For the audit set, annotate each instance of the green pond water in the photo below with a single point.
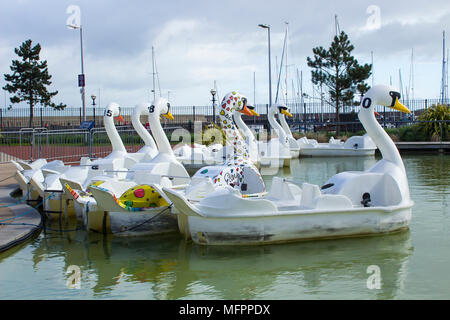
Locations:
(413, 264)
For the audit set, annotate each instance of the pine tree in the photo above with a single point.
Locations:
(29, 79)
(339, 71)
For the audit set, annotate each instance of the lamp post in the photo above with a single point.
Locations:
(81, 78)
(266, 26)
(213, 93)
(93, 97)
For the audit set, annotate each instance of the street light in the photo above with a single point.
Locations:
(93, 97)
(213, 93)
(81, 78)
(266, 26)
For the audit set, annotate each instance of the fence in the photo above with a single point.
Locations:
(57, 134)
(71, 144)
(67, 145)
(71, 117)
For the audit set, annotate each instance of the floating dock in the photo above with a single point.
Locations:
(441, 147)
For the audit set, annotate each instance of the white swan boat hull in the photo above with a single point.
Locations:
(148, 222)
(255, 226)
(354, 146)
(293, 227)
(123, 221)
(335, 152)
(126, 223)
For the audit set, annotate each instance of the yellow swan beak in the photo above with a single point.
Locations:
(400, 107)
(287, 113)
(256, 114)
(168, 115)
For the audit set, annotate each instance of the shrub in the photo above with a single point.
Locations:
(436, 130)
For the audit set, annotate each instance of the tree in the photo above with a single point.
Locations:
(339, 71)
(29, 79)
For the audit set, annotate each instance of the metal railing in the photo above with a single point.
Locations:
(71, 117)
(66, 145)
(72, 144)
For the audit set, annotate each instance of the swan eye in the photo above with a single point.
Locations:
(395, 96)
(244, 102)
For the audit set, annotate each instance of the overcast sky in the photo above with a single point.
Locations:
(198, 42)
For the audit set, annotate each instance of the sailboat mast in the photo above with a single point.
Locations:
(254, 88)
(443, 84)
(400, 87)
(371, 59)
(411, 76)
(153, 73)
(157, 79)
(446, 78)
(286, 63)
(336, 25)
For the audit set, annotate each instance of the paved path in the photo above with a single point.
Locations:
(11, 235)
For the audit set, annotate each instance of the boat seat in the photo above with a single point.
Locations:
(285, 195)
(312, 198)
(309, 194)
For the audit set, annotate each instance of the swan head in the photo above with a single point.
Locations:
(160, 106)
(250, 108)
(280, 109)
(234, 101)
(382, 95)
(113, 111)
(141, 108)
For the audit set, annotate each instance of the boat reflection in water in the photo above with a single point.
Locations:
(168, 267)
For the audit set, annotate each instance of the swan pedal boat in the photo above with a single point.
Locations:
(36, 170)
(295, 214)
(277, 151)
(354, 146)
(198, 156)
(125, 216)
(58, 201)
(133, 205)
(375, 201)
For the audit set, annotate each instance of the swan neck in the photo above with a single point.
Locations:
(284, 125)
(276, 126)
(159, 135)
(379, 136)
(113, 135)
(140, 129)
(233, 136)
(243, 126)
(249, 136)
